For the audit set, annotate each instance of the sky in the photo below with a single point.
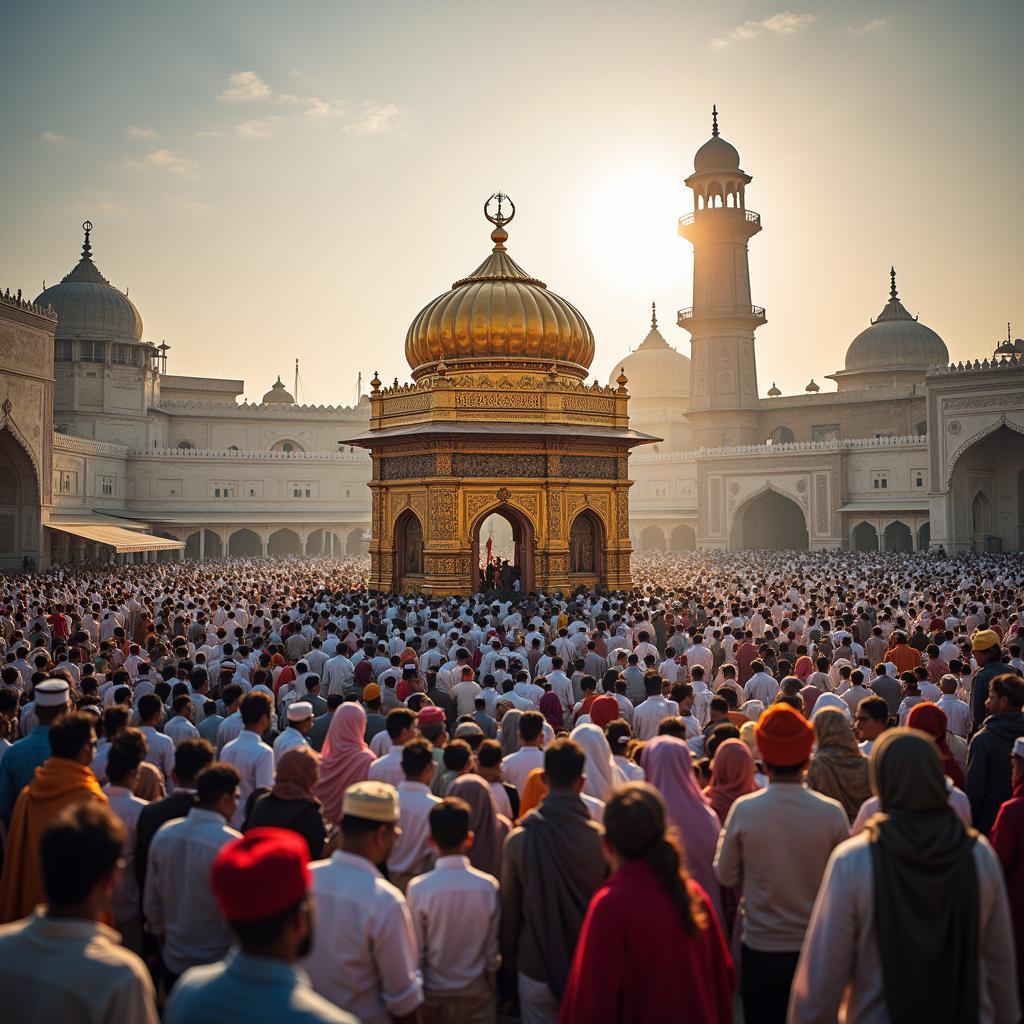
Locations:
(278, 181)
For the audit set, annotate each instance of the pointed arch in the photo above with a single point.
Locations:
(974, 439)
(769, 518)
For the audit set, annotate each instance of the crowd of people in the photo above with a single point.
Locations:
(759, 786)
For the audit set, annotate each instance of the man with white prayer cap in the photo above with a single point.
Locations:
(300, 721)
(20, 762)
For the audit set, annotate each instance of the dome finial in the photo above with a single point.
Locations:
(86, 246)
(893, 294)
(654, 317)
(499, 236)
(714, 120)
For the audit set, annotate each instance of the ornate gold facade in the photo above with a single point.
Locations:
(510, 429)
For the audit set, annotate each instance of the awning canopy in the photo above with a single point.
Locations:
(121, 540)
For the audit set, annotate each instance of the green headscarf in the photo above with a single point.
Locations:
(925, 886)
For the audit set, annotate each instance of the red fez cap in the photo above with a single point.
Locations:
(261, 874)
(431, 714)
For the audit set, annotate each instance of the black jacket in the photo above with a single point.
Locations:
(988, 767)
(154, 815)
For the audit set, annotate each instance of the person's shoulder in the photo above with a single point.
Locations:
(826, 806)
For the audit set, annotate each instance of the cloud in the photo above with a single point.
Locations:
(206, 135)
(134, 131)
(256, 129)
(287, 99)
(172, 162)
(101, 201)
(300, 75)
(319, 109)
(51, 137)
(785, 23)
(245, 87)
(874, 25)
(376, 119)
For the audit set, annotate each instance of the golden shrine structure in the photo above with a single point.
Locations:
(499, 419)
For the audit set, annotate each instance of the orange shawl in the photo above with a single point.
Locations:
(58, 783)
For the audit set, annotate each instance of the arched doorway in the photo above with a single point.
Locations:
(684, 538)
(356, 543)
(284, 542)
(898, 537)
(408, 553)
(772, 521)
(316, 542)
(987, 490)
(19, 506)
(865, 537)
(586, 550)
(244, 544)
(515, 574)
(652, 538)
(924, 536)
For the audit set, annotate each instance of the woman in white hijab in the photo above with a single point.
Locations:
(601, 774)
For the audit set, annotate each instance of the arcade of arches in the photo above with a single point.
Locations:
(260, 541)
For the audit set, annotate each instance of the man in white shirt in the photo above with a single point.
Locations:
(412, 854)
(455, 911)
(125, 754)
(516, 767)
(338, 673)
(958, 714)
(300, 722)
(253, 759)
(400, 726)
(761, 685)
(465, 691)
(364, 954)
(648, 715)
(179, 726)
(161, 747)
(561, 684)
(178, 903)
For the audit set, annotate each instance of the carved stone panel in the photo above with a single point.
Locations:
(506, 466)
(554, 515)
(444, 513)
(407, 467)
(590, 467)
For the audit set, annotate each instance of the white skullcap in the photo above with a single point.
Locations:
(51, 693)
(299, 711)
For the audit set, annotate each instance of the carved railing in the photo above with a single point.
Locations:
(720, 211)
(730, 310)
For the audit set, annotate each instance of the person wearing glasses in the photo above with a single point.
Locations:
(64, 780)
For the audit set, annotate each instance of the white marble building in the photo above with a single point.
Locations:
(104, 453)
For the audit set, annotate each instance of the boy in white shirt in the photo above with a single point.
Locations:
(455, 911)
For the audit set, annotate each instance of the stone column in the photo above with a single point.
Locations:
(202, 543)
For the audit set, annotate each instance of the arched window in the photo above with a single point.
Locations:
(287, 445)
(781, 435)
(232, 447)
(185, 445)
(582, 545)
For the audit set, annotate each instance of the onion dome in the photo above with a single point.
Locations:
(88, 306)
(773, 391)
(716, 154)
(895, 340)
(655, 369)
(278, 395)
(499, 317)
(1010, 347)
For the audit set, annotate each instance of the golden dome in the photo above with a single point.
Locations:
(499, 317)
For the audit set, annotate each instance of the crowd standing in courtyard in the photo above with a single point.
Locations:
(768, 786)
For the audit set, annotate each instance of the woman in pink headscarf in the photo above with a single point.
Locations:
(345, 760)
(669, 768)
(803, 668)
(732, 776)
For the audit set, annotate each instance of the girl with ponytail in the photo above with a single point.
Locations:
(650, 949)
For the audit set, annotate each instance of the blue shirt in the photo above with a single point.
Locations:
(249, 989)
(19, 766)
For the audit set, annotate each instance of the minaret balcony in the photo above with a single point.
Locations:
(753, 316)
(714, 218)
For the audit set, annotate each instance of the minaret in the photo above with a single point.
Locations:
(722, 321)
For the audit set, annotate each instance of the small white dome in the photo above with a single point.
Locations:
(655, 370)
